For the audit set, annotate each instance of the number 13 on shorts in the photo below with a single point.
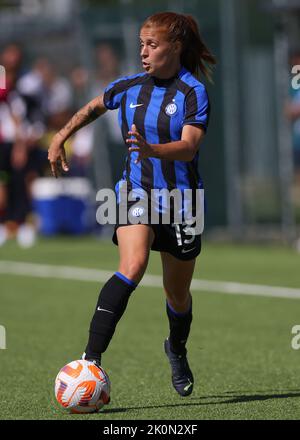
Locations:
(184, 236)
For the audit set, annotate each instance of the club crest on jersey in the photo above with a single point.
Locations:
(171, 109)
(137, 211)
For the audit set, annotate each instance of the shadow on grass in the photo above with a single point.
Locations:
(229, 396)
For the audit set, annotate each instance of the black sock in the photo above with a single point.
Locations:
(180, 324)
(110, 307)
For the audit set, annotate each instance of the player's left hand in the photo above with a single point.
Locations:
(138, 144)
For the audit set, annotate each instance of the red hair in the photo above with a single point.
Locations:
(195, 55)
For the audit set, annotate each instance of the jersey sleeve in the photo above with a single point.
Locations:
(197, 108)
(113, 94)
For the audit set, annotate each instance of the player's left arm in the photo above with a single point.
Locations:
(184, 150)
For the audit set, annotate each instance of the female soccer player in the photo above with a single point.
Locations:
(163, 114)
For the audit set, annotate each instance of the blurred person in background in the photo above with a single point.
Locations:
(23, 119)
(11, 59)
(14, 155)
(163, 115)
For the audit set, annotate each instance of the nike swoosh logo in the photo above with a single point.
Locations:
(134, 105)
(188, 386)
(185, 251)
(104, 310)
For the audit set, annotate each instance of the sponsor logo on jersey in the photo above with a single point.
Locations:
(134, 105)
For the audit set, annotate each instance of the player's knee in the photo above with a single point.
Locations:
(133, 268)
(179, 300)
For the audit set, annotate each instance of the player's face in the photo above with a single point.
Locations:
(160, 57)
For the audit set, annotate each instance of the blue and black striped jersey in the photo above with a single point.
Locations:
(159, 109)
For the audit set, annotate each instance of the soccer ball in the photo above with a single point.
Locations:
(82, 387)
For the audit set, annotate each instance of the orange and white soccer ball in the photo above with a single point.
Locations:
(82, 387)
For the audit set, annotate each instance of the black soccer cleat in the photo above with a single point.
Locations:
(96, 362)
(182, 377)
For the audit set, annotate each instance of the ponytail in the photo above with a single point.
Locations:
(195, 55)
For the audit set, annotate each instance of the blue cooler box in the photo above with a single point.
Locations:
(64, 205)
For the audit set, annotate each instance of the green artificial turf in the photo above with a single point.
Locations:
(239, 349)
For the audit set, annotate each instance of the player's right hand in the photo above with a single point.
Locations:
(57, 157)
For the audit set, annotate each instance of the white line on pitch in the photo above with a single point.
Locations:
(96, 275)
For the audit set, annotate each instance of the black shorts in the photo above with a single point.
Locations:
(5, 166)
(178, 240)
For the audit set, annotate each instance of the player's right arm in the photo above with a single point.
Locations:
(87, 114)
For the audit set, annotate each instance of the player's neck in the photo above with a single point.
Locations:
(168, 72)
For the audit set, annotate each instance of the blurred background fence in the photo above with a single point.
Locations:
(69, 50)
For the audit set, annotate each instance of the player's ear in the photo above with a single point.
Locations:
(177, 47)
